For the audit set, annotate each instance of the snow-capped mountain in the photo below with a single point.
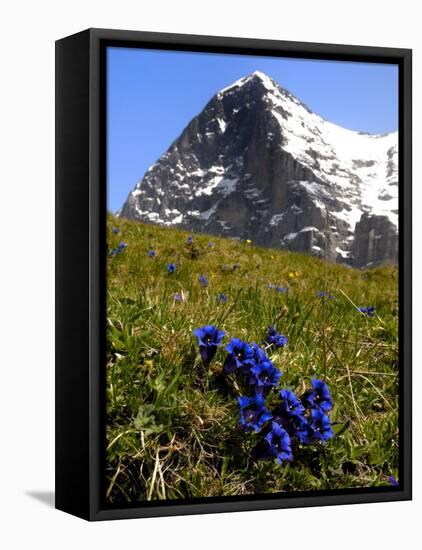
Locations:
(257, 164)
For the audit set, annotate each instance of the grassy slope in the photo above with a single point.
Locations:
(172, 426)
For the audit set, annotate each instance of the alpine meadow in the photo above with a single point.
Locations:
(173, 419)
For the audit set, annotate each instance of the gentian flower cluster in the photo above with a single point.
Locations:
(306, 419)
(257, 376)
(296, 421)
(119, 249)
(151, 253)
(283, 426)
(171, 267)
(222, 298)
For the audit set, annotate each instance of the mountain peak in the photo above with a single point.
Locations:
(256, 76)
(262, 76)
(257, 163)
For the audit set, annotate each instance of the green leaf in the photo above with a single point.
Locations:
(145, 420)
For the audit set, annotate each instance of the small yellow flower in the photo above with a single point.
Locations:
(291, 275)
(297, 273)
(248, 241)
(272, 257)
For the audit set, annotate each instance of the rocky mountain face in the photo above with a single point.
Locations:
(257, 164)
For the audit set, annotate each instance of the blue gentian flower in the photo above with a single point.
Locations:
(319, 397)
(253, 413)
(222, 298)
(290, 414)
(259, 355)
(116, 230)
(189, 240)
(177, 297)
(171, 267)
(203, 280)
(393, 481)
(209, 338)
(276, 444)
(369, 311)
(300, 429)
(275, 338)
(262, 374)
(122, 245)
(319, 427)
(240, 355)
(151, 253)
(290, 404)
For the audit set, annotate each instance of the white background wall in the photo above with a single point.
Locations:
(28, 31)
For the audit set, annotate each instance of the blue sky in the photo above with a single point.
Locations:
(152, 95)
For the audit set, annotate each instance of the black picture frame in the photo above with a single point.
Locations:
(80, 270)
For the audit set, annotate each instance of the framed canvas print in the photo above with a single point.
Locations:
(233, 274)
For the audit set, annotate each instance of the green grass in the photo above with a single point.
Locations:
(172, 425)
